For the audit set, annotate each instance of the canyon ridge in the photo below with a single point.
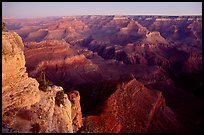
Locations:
(102, 74)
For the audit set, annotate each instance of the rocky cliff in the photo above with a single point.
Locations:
(133, 108)
(25, 108)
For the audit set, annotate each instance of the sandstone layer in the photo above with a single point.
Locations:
(27, 109)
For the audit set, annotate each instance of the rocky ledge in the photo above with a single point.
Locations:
(27, 109)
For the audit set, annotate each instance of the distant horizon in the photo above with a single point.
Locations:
(94, 15)
(57, 9)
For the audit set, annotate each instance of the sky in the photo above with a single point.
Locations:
(45, 9)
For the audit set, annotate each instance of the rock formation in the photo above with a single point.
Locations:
(24, 107)
(61, 63)
(133, 108)
(155, 37)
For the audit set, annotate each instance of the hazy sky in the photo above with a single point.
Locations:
(43, 9)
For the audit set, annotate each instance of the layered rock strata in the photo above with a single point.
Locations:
(24, 107)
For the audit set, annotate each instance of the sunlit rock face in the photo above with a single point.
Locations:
(133, 108)
(15, 80)
(61, 63)
(24, 107)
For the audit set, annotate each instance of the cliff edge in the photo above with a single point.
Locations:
(27, 109)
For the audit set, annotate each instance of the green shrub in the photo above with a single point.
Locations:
(43, 81)
(59, 99)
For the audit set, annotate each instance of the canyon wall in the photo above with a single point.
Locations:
(27, 109)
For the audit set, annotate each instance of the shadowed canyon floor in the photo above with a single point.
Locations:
(133, 73)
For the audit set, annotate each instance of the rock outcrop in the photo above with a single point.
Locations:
(74, 97)
(24, 107)
(155, 37)
(133, 108)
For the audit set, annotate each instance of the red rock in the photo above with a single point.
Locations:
(133, 108)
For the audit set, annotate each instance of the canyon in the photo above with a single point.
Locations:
(120, 74)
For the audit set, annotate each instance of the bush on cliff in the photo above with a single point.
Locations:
(43, 81)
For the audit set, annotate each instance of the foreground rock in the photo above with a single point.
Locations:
(133, 108)
(24, 107)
